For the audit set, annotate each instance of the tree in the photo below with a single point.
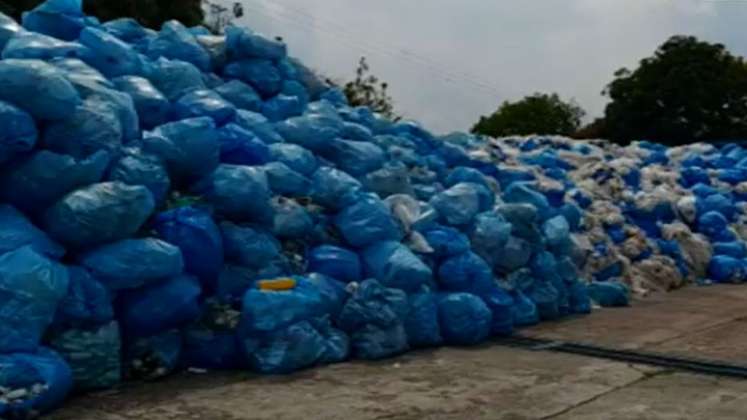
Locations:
(689, 90)
(368, 90)
(535, 114)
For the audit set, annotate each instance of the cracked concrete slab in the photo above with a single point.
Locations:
(669, 396)
(489, 382)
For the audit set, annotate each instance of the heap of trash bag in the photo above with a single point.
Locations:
(181, 200)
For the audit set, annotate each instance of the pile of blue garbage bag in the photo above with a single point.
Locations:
(178, 199)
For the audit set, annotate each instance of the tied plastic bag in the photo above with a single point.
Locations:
(285, 350)
(262, 74)
(421, 323)
(34, 184)
(395, 266)
(269, 310)
(249, 246)
(726, 269)
(282, 107)
(38, 88)
(366, 221)
(466, 272)
(284, 180)
(488, 235)
(91, 128)
(99, 213)
(244, 43)
(132, 263)
(93, 355)
(29, 45)
(87, 302)
(136, 167)
(176, 42)
(110, 55)
(334, 189)
(198, 238)
(609, 293)
(17, 231)
(446, 241)
(144, 313)
(354, 157)
(204, 103)
(189, 147)
(311, 131)
(374, 317)
(290, 220)
(501, 306)
(19, 133)
(41, 380)
(465, 319)
(240, 95)
(152, 106)
(31, 287)
(338, 263)
(259, 125)
(524, 310)
(458, 205)
(174, 78)
(8, 29)
(240, 193)
(239, 146)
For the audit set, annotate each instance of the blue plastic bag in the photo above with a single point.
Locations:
(268, 310)
(90, 129)
(25, 370)
(19, 133)
(734, 249)
(99, 213)
(337, 343)
(189, 147)
(204, 103)
(488, 235)
(395, 266)
(132, 263)
(8, 29)
(36, 183)
(208, 349)
(285, 181)
(110, 55)
(727, 269)
(366, 221)
(515, 254)
(144, 312)
(249, 246)
(522, 192)
(16, 231)
(501, 306)
(38, 88)
(281, 107)
(174, 41)
(312, 131)
(609, 293)
(127, 29)
(174, 78)
(30, 45)
(389, 180)
(93, 355)
(466, 272)
(332, 291)
(262, 74)
(240, 95)
(421, 323)
(135, 167)
(336, 262)
(446, 241)
(87, 302)
(372, 342)
(458, 205)
(239, 146)
(31, 287)
(464, 318)
(241, 193)
(713, 224)
(373, 304)
(152, 106)
(245, 43)
(290, 219)
(579, 300)
(198, 238)
(544, 294)
(524, 310)
(355, 157)
(334, 189)
(285, 350)
(259, 125)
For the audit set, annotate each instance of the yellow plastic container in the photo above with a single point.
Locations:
(277, 284)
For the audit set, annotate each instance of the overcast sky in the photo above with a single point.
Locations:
(450, 61)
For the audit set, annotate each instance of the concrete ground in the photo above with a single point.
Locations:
(487, 382)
